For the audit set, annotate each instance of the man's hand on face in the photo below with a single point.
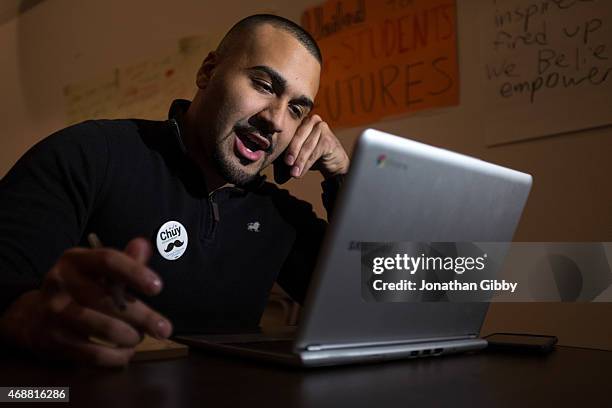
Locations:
(315, 147)
(75, 303)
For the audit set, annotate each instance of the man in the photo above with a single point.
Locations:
(204, 236)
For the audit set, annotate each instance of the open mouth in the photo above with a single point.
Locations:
(253, 141)
(250, 145)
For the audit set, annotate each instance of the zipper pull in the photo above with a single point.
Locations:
(215, 209)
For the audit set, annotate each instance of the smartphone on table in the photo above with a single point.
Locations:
(519, 342)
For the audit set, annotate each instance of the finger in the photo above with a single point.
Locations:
(307, 150)
(301, 135)
(88, 322)
(96, 296)
(111, 264)
(143, 318)
(93, 291)
(139, 249)
(315, 155)
(53, 283)
(66, 344)
(85, 287)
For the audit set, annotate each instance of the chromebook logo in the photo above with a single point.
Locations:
(384, 161)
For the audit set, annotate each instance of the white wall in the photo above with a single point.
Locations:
(64, 41)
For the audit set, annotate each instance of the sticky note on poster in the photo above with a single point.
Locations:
(547, 67)
(384, 58)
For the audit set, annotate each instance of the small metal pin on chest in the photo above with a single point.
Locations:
(253, 226)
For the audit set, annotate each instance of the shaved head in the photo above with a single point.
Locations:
(254, 91)
(234, 39)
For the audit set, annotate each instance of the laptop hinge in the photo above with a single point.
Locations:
(335, 346)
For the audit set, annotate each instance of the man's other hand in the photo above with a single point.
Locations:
(75, 304)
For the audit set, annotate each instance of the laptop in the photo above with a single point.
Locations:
(397, 190)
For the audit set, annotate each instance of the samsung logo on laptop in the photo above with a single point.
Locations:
(384, 161)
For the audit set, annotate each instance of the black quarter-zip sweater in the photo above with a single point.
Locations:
(127, 178)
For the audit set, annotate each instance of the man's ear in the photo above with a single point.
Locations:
(206, 70)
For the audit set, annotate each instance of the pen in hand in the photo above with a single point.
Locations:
(116, 289)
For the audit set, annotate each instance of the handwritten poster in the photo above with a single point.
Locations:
(384, 58)
(140, 90)
(547, 67)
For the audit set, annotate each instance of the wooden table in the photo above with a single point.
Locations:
(567, 377)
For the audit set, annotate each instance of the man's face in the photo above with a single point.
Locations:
(254, 100)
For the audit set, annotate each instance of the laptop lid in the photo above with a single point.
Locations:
(402, 190)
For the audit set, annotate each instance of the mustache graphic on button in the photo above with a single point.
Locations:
(176, 244)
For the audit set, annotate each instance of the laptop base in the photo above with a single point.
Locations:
(282, 351)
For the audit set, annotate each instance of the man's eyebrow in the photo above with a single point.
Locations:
(277, 79)
(279, 82)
